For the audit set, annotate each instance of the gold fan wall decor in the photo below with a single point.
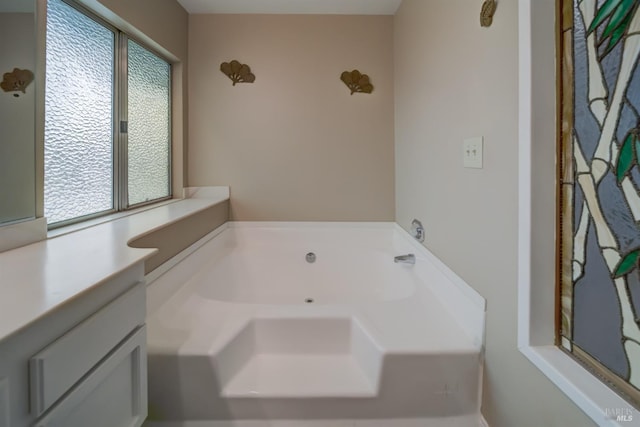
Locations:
(16, 81)
(357, 82)
(237, 72)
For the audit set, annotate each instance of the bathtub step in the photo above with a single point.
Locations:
(300, 376)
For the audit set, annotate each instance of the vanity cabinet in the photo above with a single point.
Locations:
(84, 364)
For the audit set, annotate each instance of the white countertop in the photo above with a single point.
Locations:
(37, 279)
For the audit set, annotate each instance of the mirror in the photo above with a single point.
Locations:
(17, 110)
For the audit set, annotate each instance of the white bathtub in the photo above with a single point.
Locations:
(245, 328)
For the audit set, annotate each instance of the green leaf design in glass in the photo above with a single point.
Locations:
(620, 14)
(618, 17)
(626, 158)
(605, 10)
(618, 33)
(627, 264)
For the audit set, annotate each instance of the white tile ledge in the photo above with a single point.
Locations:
(43, 276)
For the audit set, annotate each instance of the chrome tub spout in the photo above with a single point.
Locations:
(405, 259)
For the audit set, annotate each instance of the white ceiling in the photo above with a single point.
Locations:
(331, 7)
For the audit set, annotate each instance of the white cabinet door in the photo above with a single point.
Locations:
(54, 370)
(113, 394)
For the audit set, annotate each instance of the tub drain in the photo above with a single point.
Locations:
(310, 257)
(309, 300)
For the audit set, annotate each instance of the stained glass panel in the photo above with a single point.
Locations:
(599, 218)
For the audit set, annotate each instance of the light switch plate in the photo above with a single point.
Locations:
(472, 152)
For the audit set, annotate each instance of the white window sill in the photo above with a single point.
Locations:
(598, 401)
(211, 194)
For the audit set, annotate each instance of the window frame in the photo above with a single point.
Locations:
(120, 183)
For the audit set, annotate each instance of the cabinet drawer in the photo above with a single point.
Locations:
(54, 370)
(114, 394)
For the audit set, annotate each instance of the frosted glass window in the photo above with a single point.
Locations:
(107, 122)
(149, 127)
(78, 115)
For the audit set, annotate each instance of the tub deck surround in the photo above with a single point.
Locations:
(232, 336)
(42, 277)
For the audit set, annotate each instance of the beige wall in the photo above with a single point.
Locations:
(454, 80)
(295, 145)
